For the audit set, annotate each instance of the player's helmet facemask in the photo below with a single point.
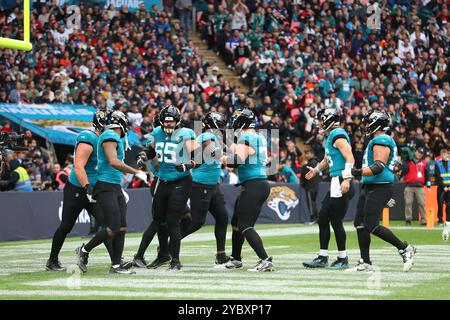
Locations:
(242, 119)
(118, 119)
(100, 121)
(327, 118)
(375, 121)
(169, 114)
(214, 121)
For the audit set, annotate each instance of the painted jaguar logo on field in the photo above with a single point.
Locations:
(282, 200)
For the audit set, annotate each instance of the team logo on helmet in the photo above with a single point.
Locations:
(283, 201)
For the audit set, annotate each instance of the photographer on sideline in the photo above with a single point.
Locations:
(415, 176)
(18, 179)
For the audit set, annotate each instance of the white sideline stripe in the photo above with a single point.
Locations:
(236, 283)
(185, 295)
(179, 286)
(209, 236)
(196, 237)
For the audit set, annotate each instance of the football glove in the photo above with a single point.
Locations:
(141, 175)
(89, 190)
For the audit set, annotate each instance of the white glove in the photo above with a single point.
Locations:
(347, 174)
(90, 198)
(127, 197)
(141, 175)
(391, 203)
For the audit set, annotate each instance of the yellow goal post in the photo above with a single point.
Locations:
(24, 44)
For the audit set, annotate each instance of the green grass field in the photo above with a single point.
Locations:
(23, 274)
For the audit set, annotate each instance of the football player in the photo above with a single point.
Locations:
(249, 156)
(109, 194)
(380, 158)
(78, 190)
(205, 193)
(339, 160)
(174, 148)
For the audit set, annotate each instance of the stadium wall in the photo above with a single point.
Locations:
(36, 215)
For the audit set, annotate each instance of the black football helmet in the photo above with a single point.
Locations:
(118, 119)
(329, 118)
(170, 113)
(100, 120)
(375, 121)
(242, 119)
(214, 120)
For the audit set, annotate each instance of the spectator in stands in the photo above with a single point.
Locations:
(287, 174)
(59, 176)
(6, 126)
(416, 177)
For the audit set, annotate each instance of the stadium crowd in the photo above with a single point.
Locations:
(297, 56)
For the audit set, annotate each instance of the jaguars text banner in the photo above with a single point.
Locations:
(36, 215)
(132, 5)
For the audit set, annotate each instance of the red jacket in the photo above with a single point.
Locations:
(415, 173)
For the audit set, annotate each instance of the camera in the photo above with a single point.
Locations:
(407, 152)
(11, 140)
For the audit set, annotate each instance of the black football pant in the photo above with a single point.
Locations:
(168, 203)
(247, 208)
(206, 198)
(371, 202)
(112, 201)
(74, 201)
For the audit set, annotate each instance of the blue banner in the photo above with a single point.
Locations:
(58, 123)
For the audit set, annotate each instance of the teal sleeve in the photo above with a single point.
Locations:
(86, 137)
(110, 136)
(383, 140)
(149, 140)
(188, 134)
(249, 139)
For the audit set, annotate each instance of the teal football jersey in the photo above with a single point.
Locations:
(106, 172)
(90, 138)
(152, 166)
(255, 165)
(209, 171)
(387, 175)
(170, 152)
(335, 159)
(289, 174)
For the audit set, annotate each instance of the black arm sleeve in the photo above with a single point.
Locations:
(377, 167)
(150, 152)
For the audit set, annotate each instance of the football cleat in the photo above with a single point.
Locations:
(175, 265)
(233, 264)
(158, 262)
(361, 267)
(54, 265)
(139, 262)
(265, 265)
(82, 258)
(319, 262)
(339, 264)
(222, 258)
(120, 270)
(445, 231)
(408, 257)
